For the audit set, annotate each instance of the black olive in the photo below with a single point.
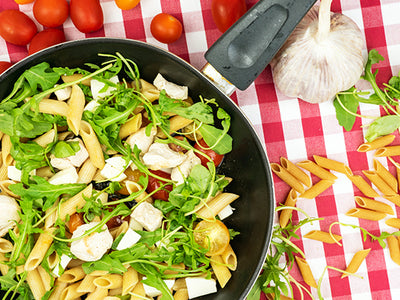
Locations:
(100, 185)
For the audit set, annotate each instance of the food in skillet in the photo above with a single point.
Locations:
(110, 188)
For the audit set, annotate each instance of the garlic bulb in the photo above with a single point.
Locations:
(321, 57)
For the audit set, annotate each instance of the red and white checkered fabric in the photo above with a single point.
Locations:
(288, 127)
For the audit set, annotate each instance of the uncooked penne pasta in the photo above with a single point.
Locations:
(393, 222)
(305, 271)
(130, 127)
(386, 175)
(53, 107)
(78, 201)
(229, 258)
(374, 205)
(221, 271)
(356, 261)
(363, 186)
(394, 248)
(377, 143)
(330, 164)
(323, 236)
(38, 252)
(296, 171)
(317, 189)
(92, 145)
(366, 214)
(318, 171)
(286, 213)
(283, 174)
(76, 104)
(380, 184)
(388, 151)
(395, 199)
(212, 208)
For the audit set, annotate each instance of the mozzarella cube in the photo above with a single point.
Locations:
(141, 139)
(161, 156)
(153, 292)
(129, 239)
(182, 171)
(60, 163)
(63, 94)
(171, 89)
(200, 286)
(60, 267)
(64, 176)
(114, 168)
(134, 225)
(97, 86)
(92, 105)
(225, 212)
(16, 174)
(148, 216)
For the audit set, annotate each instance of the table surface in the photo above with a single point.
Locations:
(287, 127)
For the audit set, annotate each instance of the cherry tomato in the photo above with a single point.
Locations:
(51, 13)
(155, 183)
(4, 65)
(23, 1)
(46, 38)
(16, 27)
(212, 235)
(75, 221)
(127, 4)
(227, 12)
(87, 15)
(203, 147)
(166, 28)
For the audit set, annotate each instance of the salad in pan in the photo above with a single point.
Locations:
(109, 187)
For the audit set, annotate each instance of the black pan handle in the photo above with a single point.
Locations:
(248, 46)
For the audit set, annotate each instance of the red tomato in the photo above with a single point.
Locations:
(155, 183)
(227, 12)
(75, 221)
(126, 4)
(4, 65)
(166, 28)
(51, 13)
(46, 38)
(215, 157)
(16, 27)
(87, 15)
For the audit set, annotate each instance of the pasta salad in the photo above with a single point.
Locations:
(109, 187)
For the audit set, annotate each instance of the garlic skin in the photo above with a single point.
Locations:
(321, 57)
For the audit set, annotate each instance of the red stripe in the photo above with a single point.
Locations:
(133, 24)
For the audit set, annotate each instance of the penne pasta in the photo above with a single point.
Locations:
(3, 267)
(374, 205)
(317, 189)
(129, 279)
(149, 91)
(3, 172)
(221, 271)
(45, 172)
(4, 184)
(46, 138)
(35, 283)
(38, 252)
(58, 288)
(92, 145)
(363, 186)
(366, 214)
(76, 104)
(393, 222)
(356, 261)
(323, 236)
(380, 184)
(181, 294)
(377, 143)
(138, 292)
(78, 201)
(53, 260)
(5, 246)
(305, 271)
(53, 107)
(330, 164)
(388, 151)
(108, 281)
(394, 248)
(130, 127)
(395, 199)
(46, 278)
(86, 284)
(229, 258)
(175, 123)
(6, 146)
(70, 292)
(296, 172)
(75, 77)
(318, 171)
(212, 208)
(179, 283)
(286, 213)
(283, 174)
(389, 179)
(87, 172)
(98, 293)
(72, 275)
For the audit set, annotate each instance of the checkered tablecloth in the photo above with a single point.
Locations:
(287, 127)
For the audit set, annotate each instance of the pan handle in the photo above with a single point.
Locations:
(247, 47)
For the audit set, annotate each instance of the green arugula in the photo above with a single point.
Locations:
(64, 149)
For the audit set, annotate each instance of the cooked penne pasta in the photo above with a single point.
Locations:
(386, 175)
(46, 278)
(130, 127)
(98, 293)
(58, 289)
(138, 292)
(4, 184)
(221, 271)
(72, 275)
(317, 189)
(75, 77)
(366, 214)
(134, 187)
(305, 271)
(35, 283)
(3, 172)
(129, 279)
(315, 169)
(356, 261)
(78, 201)
(86, 284)
(212, 208)
(394, 248)
(377, 143)
(6, 146)
(380, 184)
(175, 123)
(92, 145)
(388, 151)
(108, 281)
(149, 91)
(323, 236)
(87, 172)
(3, 267)
(53, 107)
(44, 172)
(5, 246)
(46, 138)
(181, 294)
(283, 174)
(229, 258)
(296, 171)
(38, 252)
(330, 164)
(393, 222)
(76, 104)
(286, 213)
(374, 205)
(70, 292)
(53, 260)
(62, 136)
(363, 186)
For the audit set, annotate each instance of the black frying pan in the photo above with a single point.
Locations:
(247, 164)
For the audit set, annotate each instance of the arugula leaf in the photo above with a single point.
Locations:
(65, 149)
(41, 75)
(106, 263)
(350, 101)
(382, 126)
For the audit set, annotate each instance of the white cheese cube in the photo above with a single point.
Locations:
(134, 225)
(161, 156)
(60, 163)
(114, 168)
(64, 176)
(60, 267)
(182, 171)
(129, 239)
(141, 139)
(16, 174)
(171, 89)
(225, 212)
(199, 286)
(153, 292)
(92, 105)
(148, 216)
(63, 94)
(97, 86)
